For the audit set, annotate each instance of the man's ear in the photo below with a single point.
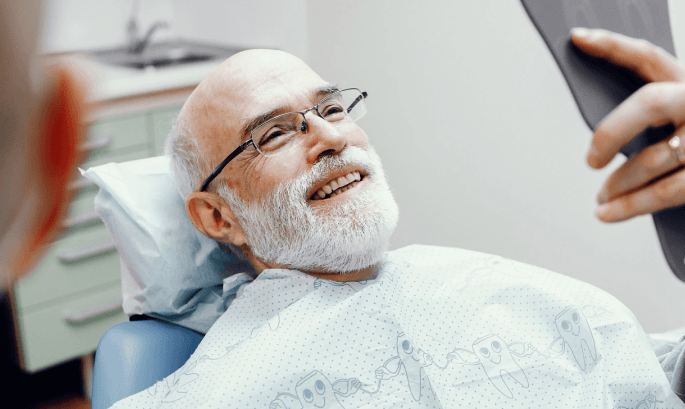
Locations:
(212, 216)
(53, 137)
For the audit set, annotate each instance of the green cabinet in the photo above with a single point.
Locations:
(73, 296)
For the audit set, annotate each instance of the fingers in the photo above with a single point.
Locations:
(654, 104)
(665, 193)
(648, 61)
(632, 190)
(653, 162)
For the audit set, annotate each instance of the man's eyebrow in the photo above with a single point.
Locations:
(326, 90)
(260, 119)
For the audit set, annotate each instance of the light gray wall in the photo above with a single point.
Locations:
(85, 24)
(250, 24)
(483, 144)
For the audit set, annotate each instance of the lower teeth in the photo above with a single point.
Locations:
(339, 191)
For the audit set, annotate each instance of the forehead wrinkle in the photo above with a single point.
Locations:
(271, 76)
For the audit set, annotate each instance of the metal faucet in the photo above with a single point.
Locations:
(137, 45)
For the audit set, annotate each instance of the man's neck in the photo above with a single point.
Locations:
(358, 275)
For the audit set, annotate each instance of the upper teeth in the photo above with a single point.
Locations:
(337, 186)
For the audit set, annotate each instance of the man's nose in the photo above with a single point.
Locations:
(323, 138)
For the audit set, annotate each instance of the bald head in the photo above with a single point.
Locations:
(240, 88)
(213, 119)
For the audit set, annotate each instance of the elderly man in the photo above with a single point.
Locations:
(306, 191)
(273, 164)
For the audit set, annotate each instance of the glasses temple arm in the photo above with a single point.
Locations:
(223, 164)
(356, 100)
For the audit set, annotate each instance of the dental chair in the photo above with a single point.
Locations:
(134, 355)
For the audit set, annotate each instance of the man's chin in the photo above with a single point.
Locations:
(343, 233)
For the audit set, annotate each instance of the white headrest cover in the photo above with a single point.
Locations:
(172, 271)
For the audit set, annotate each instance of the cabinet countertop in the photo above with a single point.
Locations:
(114, 90)
(107, 82)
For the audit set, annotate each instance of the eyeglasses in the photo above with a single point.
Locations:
(286, 131)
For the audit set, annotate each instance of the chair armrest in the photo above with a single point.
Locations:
(133, 356)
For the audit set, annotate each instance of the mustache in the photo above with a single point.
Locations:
(327, 165)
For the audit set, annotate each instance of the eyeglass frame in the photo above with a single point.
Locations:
(250, 141)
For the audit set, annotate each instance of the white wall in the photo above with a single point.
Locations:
(483, 144)
(251, 24)
(86, 25)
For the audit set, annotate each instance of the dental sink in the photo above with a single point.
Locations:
(172, 56)
(164, 54)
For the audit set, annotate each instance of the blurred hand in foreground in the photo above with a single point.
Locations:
(41, 129)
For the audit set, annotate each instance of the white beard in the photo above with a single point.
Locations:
(285, 230)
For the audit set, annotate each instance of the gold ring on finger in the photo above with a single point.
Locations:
(677, 146)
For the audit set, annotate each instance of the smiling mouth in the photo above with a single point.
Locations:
(338, 185)
(493, 361)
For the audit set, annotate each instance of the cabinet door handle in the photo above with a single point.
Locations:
(80, 254)
(99, 143)
(81, 183)
(80, 316)
(82, 218)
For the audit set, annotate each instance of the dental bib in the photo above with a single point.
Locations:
(437, 327)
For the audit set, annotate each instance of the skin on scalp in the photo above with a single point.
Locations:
(246, 85)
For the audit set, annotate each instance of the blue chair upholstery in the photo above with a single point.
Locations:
(133, 356)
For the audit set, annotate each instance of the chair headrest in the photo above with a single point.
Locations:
(170, 270)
